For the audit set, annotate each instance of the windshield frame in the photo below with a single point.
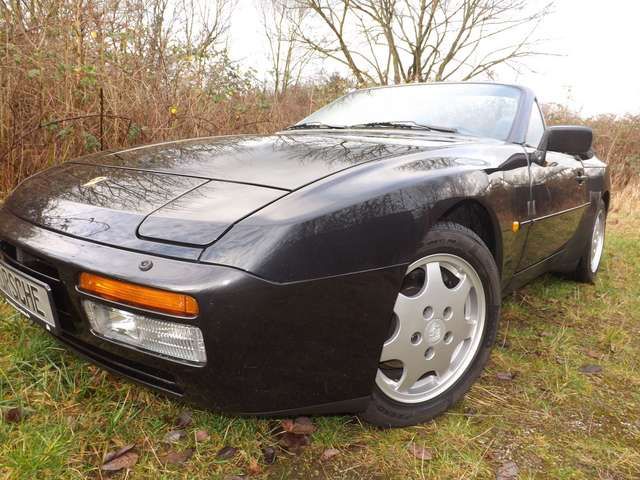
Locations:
(518, 127)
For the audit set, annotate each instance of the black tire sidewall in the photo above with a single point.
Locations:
(456, 240)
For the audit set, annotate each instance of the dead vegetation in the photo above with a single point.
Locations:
(616, 141)
(80, 75)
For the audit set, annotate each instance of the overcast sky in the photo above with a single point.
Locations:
(597, 69)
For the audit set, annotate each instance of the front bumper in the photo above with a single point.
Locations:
(303, 347)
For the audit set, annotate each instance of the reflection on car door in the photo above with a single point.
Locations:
(559, 194)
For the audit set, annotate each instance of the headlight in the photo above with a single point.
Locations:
(170, 339)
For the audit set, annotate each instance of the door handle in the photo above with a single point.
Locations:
(580, 176)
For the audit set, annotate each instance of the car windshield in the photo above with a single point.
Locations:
(473, 109)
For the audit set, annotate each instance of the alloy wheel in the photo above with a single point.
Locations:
(439, 319)
(597, 241)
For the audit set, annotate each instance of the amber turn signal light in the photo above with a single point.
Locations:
(139, 296)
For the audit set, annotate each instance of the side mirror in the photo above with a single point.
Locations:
(573, 140)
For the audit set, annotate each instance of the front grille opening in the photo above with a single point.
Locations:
(19, 257)
(36, 264)
(150, 376)
(8, 250)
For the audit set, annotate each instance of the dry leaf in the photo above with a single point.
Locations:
(269, 455)
(226, 453)
(420, 452)
(591, 369)
(299, 426)
(355, 447)
(594, 354)
(328, 454)
(184, 419)
(293, 442)
(254, 467)
(287, 424)
(111, 455)
(14, 415)
(174, 436)
(201, 436)
(506, 376)
(120, 459)
(508, 471)
(178, 458)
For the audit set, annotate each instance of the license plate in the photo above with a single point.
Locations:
(32, 297)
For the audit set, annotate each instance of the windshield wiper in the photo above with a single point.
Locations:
(409, 124)
(302, 126)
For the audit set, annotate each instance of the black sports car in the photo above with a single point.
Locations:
(354, 262)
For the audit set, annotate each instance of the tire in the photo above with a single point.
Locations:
(588, 267)
(448, 247)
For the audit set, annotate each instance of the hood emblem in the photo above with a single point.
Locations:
(93, 182)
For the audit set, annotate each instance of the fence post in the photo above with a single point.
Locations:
(101, 119)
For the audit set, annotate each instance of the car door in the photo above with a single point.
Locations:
(558, 198)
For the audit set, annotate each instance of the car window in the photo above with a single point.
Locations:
(475, 109)
(536, 127)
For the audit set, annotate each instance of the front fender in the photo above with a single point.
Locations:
(369, 217)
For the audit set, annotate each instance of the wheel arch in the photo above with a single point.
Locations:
(606, 197)
(479, 218)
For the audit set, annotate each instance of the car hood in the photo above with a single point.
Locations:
(188, 192)
(119, 206)
(285, 161)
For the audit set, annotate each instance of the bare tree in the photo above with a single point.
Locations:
(205, 23)
(394, 41)
(280, 20)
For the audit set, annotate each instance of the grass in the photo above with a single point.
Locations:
(551, 420)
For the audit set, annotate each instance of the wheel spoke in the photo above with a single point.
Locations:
(409, 310)
(461, 291)
(413, 369)
(441, 361)
(457, 297)
(435, 286)
(394, 349)
(461, 329)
